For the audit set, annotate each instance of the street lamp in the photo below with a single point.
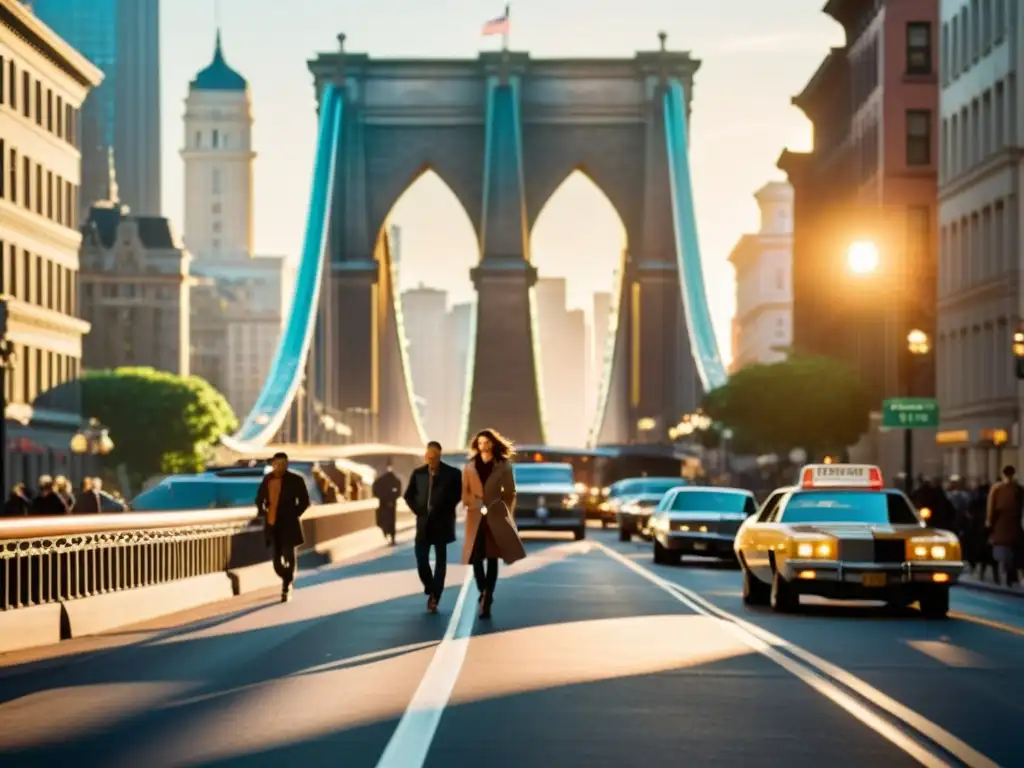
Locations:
(862, 257)
(93, 439)
(919, 344)
(7, 361)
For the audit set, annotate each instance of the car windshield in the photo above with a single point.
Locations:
(540, 474)
(713, 501)
(867, 507)
(645, 485)
(181, 495)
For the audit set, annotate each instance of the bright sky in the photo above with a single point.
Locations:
(756, 54)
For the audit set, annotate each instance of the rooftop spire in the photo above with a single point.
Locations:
(113, 192)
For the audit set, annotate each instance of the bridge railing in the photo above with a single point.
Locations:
(46, 560)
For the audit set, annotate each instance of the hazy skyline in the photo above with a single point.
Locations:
(754, 56)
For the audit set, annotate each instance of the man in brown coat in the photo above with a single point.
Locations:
(1003, 522)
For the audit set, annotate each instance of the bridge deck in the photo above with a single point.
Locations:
(586, 662)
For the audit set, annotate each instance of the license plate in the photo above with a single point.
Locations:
(700, 546)
(542, 512)
(873, 579)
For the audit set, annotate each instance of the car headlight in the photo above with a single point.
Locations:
(605, 491)
(932, 549)
(816, 549)
(581, 487)
(570, 501)
(662, 524)
(595, 491)
(629, 509)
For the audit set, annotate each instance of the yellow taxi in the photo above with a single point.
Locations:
(840, 534)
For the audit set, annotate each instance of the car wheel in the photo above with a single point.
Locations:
(784, 596)
(660, 555)
(935, 603)
(755, 591)
(580, 533)
(625, 534)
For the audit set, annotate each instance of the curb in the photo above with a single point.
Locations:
(983, 586)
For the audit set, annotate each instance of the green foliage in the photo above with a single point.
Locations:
(160, 423)
(814, 403)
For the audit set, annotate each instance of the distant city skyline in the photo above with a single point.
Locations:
(740, 124)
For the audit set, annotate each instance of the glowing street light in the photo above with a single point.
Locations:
(918, 342)
(863, 258)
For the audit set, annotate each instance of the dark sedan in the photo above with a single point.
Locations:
(634, 500)
(546, 499)
(699, 521)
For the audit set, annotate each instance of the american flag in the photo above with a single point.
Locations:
(498, 26)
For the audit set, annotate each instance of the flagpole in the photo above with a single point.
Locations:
(508, 27)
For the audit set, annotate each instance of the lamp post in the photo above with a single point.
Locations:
(92, 439)
(919, 345)
(863, 257)
(7, 362)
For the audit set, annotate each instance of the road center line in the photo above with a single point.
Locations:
(822, 676)
(985, 622)
(411, 740)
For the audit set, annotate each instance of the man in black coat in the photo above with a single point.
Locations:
(388, 490)
(281, 500)
(434, 492)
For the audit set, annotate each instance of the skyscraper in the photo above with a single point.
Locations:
(426, 318)
(122, 38)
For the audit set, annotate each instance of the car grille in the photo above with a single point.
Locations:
(890, 551)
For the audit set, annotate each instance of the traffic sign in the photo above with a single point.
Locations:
(910, 413)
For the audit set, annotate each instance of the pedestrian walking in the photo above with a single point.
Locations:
(489, 495)
(433, 494)
(387, 489)
(1003, 522)
(282, 499)
(47, 502)
(18, 503)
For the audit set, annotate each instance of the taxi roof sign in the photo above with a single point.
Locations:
(841, 476)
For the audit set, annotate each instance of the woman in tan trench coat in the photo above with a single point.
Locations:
(489, 495)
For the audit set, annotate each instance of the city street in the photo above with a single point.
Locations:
(594, 657)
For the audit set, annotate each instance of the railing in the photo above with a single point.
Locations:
(56, 559)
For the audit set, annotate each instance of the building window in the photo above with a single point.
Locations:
(49, 195)
(26, 169)
(199, 139)
(216, 227)
(919, 48)
(26, 94)
(39, 103)
(919, 137)
(215, 208)
(3, 170)
(60, 117)
(216, 181)
(3, 72)
(216, 138)
(14, 176)
(39, 189)
(12, 72)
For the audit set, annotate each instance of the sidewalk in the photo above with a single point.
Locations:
(973, 582)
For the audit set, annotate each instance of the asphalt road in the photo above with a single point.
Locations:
(594, 657)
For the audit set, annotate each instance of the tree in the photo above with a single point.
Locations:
(160, 423)
(809, 402)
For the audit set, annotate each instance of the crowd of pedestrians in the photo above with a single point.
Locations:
(55, 496)
(987, 517)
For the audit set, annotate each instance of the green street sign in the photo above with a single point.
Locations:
(910, 413)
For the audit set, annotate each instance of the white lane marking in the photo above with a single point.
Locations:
(822, 675)
(949, 654)
(411, 740)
